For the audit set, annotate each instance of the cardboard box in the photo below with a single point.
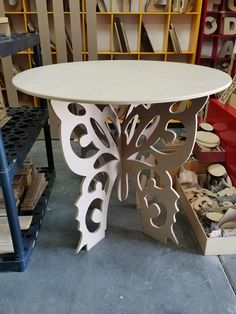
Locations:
(209, 246)
(215, 155)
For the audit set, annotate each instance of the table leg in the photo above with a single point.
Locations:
(111, 152)
(97, 162)
(157, 198)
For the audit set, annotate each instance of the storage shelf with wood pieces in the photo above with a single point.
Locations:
(216, 47)
(157, 23)
(78, 30)
(18, 132)
(8, 261)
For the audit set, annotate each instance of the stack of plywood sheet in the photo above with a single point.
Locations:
(6, 245)
(28, 187)
(34, 192)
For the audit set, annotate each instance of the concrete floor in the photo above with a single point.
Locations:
(127, 272)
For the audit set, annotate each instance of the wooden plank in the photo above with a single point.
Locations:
(60, 34)
(5, 235)
(3, 112)
(2, 8)
(3, 212)
(4, 121)
(7, 68)
(3, 21)
(227, 92)
(6, 248)
(209, 246)
(76, 32)
(44, 32)
(6, 245)
(34, 192)
(91, 29)
(25, 222)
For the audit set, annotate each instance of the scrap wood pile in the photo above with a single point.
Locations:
(28, 187)
(213, 198)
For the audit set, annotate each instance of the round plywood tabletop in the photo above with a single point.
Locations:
(121, 82)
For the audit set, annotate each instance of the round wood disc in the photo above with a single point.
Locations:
(217, 170)
(207, 144)
(122, 81)
(206, 127)
(207, 137)
(214, 216)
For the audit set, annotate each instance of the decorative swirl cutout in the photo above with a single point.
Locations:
(111, 152)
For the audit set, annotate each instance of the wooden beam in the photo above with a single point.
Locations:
(44, 32)
(2, 8)
(59, 25)
(7, 68)
(91, 29)
(76, 31)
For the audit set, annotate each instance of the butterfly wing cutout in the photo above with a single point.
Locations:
(110, 151)
(96, 160)
(144, 126)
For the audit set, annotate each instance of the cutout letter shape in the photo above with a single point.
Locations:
(232, 5)
(227, 49)
(229, 26)
(212, 3)
(210, 25)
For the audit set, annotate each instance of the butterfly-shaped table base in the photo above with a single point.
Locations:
(111, 151)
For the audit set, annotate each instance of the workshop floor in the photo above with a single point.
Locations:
(127, 272)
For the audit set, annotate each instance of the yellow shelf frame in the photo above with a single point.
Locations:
(164, 54)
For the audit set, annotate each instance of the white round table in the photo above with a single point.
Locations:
(121, 82)
(116, 152)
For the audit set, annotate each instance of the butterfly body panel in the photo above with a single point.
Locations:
(110, 151)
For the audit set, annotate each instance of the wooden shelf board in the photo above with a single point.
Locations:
(136, 17)
(152, 53)
(49, 12)
(118, 53)
(218, 35)
(139, 12)
(221, 12)
(123, 53)
(222, 59)
(25, 53)
(119, 13)
(184, 13)
(179, 53)
(174, 121)
(206, 57)
(213, 12)
(216, 58)
(169, 13)
(15, 13)
(228, 12)
(143, 53)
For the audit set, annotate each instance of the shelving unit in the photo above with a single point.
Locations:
(16, 139)
(157, 24)
(91, 34)
(218, 35)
